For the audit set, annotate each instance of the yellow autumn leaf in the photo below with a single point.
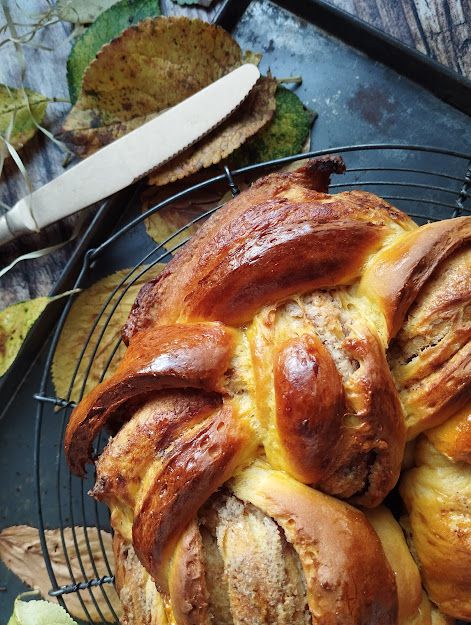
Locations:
(38, 612)
(15, 323)
(164, 223)
(20, 551)
(150, 67)
(81, 318)
(19, 110)
(106, 27)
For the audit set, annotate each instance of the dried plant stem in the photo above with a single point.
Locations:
(48, 18)
(18, 42)
(15, 39)
(292, 80)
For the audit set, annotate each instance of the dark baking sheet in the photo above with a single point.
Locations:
(359, 101)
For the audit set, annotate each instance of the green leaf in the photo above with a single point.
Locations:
(82, 11)
(19, 109)
(38, 613)
(106, 27)
(285, 135)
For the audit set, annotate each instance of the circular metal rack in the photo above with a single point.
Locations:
(426, 182)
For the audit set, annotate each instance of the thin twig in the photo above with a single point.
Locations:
(43, 20)
(295, 80)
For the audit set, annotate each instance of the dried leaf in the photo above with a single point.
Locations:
(19, 108)
(149, 68)
(106, 27)
(252, 57)
(82, 11)
(253, 115)
(167, 220)
(80, 320)
(15, 323)
(283, 136)
(20, 550)
(38, 613)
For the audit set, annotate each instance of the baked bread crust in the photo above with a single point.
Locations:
(437, 494)
(284, 235)
(257, 361)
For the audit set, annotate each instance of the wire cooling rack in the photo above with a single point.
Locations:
(426, 182)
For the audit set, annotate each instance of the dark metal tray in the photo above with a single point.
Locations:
(360, 101)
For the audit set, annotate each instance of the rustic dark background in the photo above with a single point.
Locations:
(440, 29)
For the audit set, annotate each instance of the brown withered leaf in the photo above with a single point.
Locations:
(250, 56)
(20, 551)
(285, 135)
(81, 318)
(150, 67)
(249, 118)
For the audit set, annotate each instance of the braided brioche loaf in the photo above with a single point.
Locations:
(437, 494)
(257, 376)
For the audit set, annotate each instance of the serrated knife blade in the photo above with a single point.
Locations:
(130, 157)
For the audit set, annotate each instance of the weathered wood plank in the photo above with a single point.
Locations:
(445, 29)
(439, 28)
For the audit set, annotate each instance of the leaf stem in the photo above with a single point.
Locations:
(294, 80)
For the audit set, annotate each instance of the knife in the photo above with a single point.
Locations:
(130, 157)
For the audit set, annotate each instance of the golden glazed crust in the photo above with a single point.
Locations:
(409, 587)
(332, 418)
(178, 356)
(431, 355)
(260, 361)
(280, 237)
(347, 576)
(437, 494)
(396, 275)
(309, 403)
(453, 438)
(193, 469)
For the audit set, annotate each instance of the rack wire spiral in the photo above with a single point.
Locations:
(426, 182)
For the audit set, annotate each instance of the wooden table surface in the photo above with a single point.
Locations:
(439, 28)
